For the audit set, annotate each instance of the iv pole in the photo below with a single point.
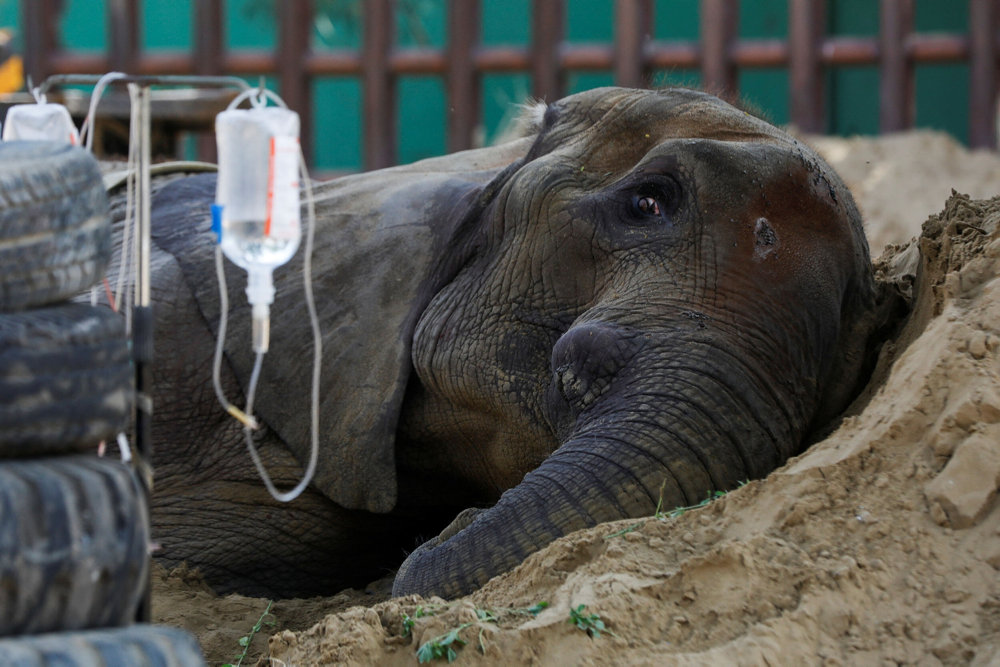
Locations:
(142, 311)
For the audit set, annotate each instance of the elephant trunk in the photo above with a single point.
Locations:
(704, 426)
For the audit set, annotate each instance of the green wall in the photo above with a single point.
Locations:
(852, 92)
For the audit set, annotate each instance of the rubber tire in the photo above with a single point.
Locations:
(55, 237)
(66, 380)
(74, 544)
(133, 646)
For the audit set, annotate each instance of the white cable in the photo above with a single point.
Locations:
(124, 267)
(123, 448)
(87, 130)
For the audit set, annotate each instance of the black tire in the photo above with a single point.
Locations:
(55, 238)
(134, 646)
(74, 543)
(66, 381)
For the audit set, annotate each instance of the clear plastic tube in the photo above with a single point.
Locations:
(87, 129)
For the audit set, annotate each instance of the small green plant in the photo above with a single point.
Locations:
(677, 511)
(446, 646)
(419, 612)
(660, 515)
(533, 610)
(442, 646)
(267, 618)
(623, 531)
(589, 623)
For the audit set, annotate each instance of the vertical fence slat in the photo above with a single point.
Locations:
(633, 28)
(209, 37)
(379, 85)
(463, 80)
(209, 48)
(896, 70)
(123, 35)
(295, 18)
(982, 74)
(806, 26)
(547, 28)
(40, 37)
(39, 21)
(719, 25)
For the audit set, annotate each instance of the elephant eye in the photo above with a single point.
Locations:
(655, 201)
(647, 205)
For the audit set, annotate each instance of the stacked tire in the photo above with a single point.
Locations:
(74, 529)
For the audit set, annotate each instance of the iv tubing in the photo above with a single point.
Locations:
(95, 96)
(246, 418)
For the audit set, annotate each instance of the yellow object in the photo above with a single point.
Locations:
(242, 417)
(11, 75)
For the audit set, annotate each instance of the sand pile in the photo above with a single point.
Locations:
(881, 543)
(900, 179)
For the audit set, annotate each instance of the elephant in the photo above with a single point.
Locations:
(641, 297)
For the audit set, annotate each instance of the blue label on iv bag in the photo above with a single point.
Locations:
(217, 221)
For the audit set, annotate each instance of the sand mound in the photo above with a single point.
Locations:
(900, 179)
(881, 543)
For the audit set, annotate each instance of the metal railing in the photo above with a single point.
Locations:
(719, 54)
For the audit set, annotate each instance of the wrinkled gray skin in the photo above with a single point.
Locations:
(650, 293)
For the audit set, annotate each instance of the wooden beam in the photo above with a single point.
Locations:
(295, 20)
(633, 30)
(39, 21)
(805, 44)
(462, 77)
(547, 30)
(896, 108)
(379, 85)
(719, 25)
(982, 74)
(123, 35)
(209, 56)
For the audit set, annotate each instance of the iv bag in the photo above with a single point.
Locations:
(40, 122)
(258, 185)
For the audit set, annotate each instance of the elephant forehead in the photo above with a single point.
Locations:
(627, 119)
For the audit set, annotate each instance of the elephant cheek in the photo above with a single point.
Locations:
(586, 362)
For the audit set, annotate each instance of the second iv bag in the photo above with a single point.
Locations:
(40, 122)
(258, 198)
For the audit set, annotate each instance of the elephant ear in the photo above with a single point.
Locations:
(385, 242)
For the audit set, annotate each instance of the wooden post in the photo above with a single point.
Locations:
(982, 74)
(39, 20)
(379, 85)
(123, 35)
(463, 80)
(547, 24)
(805, 43)
(896, 95)
(719, 24)
(209, 37)
(633, 29)
(208, 58)
(295, 18)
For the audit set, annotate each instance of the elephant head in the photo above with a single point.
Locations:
(665, 296)
(648, 296)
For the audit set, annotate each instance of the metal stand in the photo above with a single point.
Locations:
(142, 312)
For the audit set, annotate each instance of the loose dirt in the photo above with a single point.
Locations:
(880, 544)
